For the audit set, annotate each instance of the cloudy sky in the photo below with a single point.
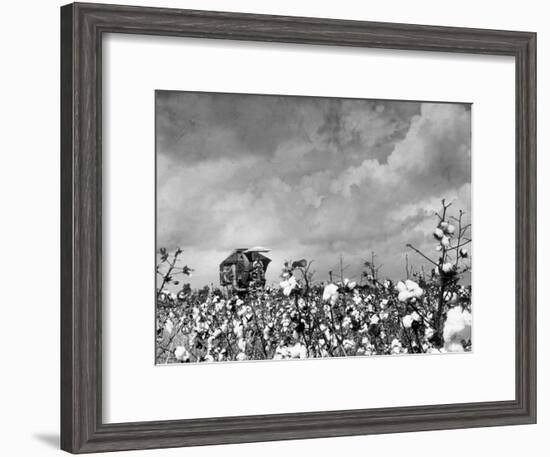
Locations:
(310, 178)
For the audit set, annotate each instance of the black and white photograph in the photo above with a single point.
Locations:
(293, 227)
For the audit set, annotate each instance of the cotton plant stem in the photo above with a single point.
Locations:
(457, 254)
(167, 275)
(465, 243)
(421, 254)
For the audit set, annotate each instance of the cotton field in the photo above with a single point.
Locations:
(301, 317)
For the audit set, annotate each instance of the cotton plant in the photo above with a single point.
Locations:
(457, 330)
(409, 291)
(450, 262)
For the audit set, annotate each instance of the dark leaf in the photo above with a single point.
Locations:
(186, 270)
(299, 263)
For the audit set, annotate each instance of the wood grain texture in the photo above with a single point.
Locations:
(82, 28)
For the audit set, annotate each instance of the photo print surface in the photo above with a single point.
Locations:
(291, 227)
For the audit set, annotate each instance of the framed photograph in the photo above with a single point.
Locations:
(284, 227)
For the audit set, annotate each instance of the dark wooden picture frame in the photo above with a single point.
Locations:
(82, 29)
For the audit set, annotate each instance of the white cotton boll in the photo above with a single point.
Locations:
(438, 233)
(408, 290)
(278, 354)
(463, 253)
(348, 344)
(298, 351)
(241, 344)
(396, 346)
(239, 330)
(374, 319)
(168, 326)
(404, 296)
(453, 346)
(241, 356)
(415, 289)
(415, 316)
(349, 284)
(209, 343)
(445, 241)
(208, 358)
(289, 285)
(457, 328)
(330, 293)
(285, 351)
(450, 229)
(407, 321)
(447, 267)
(181, 354)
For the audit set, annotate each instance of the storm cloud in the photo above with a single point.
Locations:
(308, 177)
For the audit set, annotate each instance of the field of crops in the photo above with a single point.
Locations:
(303, 318)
